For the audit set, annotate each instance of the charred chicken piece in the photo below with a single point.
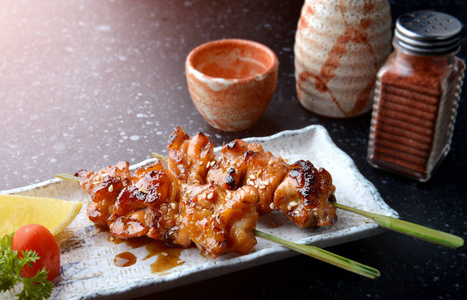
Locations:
(241, 163)
(219, 221)
(304, 195)
(149, 207)
(230, 169)
(190, 158)
(104, 186)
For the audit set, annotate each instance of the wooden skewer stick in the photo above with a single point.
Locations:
(68, 177)
(160, 157)
(323, 255)
(414, 230)
(312, 251)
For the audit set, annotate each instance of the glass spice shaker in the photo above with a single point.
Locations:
(416, 96)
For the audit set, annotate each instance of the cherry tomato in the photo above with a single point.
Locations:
(37, 238)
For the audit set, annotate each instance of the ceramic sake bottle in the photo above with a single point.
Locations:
(339, 48)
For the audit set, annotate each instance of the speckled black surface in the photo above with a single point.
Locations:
(84, 84)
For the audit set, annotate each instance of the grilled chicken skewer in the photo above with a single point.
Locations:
(312, 251)
(216, 212)
(210, 217)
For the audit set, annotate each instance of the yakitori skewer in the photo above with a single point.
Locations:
(312, 251)
(397, 225)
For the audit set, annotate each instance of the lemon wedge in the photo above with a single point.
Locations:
(17, 211)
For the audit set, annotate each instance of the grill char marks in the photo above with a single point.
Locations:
(304, 196)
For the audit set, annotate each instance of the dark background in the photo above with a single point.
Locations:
(84, 84)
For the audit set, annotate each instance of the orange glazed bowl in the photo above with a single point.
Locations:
(231, 82)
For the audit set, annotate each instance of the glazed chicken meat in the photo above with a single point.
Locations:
(217, 220)
(211, 201)
(104, 187)
(148, 207)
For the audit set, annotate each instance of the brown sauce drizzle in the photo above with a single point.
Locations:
(167, 260)
(125, 259)
(168, 257)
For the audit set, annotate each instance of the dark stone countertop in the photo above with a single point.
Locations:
(84, 84)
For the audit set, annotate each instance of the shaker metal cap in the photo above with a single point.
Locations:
(427, 32)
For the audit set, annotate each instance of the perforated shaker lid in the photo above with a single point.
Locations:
(428, 32)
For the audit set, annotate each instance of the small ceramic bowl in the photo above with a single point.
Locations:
(231, 82)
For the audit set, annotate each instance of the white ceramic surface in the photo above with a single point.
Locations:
(88, 270)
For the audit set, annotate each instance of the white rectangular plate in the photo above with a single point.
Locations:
(87, 257)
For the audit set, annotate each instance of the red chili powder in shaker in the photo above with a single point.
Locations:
(416, 97)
